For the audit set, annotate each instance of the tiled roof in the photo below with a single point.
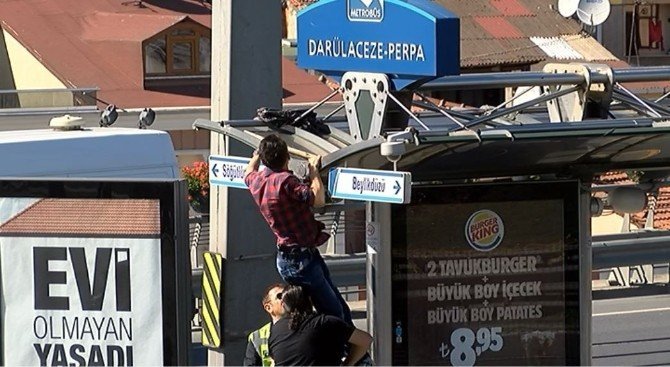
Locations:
(97, 43)
(104, 26)
(613, 177)
(74, 217)
(498, 27)
(510, 7)
(557, 48)
(661, 203)
(490, 52)
(499, 32)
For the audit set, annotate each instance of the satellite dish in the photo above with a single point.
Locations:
(593, 12)
(567, 7)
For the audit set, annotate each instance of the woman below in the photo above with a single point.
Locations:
(304, 338)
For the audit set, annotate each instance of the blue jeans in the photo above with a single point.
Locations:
(307, 269)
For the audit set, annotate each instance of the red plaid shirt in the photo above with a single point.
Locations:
(285, 204)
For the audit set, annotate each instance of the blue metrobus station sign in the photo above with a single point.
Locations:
(414, 38)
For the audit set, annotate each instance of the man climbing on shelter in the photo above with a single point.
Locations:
(258, 351)
(285, 203)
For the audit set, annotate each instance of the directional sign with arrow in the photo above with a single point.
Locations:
(227, 171)
(370, 185)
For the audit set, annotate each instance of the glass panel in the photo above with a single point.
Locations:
(183, 32)
(205, 54)
(155, 57)
(182, 56)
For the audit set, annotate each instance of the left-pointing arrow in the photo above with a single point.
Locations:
(397, 187)
(215, 170)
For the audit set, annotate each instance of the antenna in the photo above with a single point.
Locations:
(593, 12)
(567, 7)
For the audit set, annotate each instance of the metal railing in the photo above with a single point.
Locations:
(37, 99)
(630, 249)
(608, 251)
(345, 271)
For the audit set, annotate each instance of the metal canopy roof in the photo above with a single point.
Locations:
(588, 146)
(508, 140)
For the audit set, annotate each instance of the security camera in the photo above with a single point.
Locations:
(392, 150)
(394, 146)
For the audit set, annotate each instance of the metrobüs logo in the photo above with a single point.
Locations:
(484, 230)
(365, 10)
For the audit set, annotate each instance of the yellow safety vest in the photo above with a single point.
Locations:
(259, 339)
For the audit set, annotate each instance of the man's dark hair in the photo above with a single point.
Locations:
(297, 305)
(273, 152)
(266, 293)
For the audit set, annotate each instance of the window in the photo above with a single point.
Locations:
(182, 56)
(184, 49)
(155, 57)
(644, 29)
(205, 54)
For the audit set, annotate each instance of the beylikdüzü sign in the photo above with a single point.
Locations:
(416, 38)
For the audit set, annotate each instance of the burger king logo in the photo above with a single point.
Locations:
(484, 230)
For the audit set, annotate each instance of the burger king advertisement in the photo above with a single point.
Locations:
(482, 276)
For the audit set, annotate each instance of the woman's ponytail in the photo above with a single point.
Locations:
(297, 305)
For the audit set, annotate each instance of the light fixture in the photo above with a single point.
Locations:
(108, 116)
(596, 206)
(627, 199)
(147, 117)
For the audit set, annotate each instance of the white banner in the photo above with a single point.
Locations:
(81, 301)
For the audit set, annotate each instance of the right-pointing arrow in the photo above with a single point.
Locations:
(396, 187)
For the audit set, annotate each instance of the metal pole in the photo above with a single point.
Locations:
(408, 111)
(537, 78)
(333, 112)
(585, 261)
(379, 285)
(317, 105)
(640, 101)
(246, 73)
(440, 110)
(508, 101)
(662, 97)
(507, 111)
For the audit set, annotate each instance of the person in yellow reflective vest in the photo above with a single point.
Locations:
(258, 352)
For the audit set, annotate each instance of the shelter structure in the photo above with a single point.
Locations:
(456, 272)
(517, 152)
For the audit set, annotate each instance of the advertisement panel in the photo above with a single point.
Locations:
(90, 281)
(79, 299)
(482, 276)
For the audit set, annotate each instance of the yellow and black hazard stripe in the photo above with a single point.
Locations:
(210, 312)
